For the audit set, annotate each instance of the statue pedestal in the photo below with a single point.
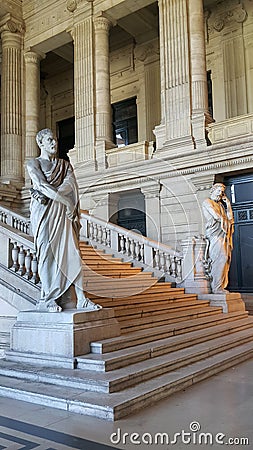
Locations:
(56, 339)
(230, 301)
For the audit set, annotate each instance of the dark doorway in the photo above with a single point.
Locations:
(240, 192)
(125, 122)
(131, 212)
(66, 137)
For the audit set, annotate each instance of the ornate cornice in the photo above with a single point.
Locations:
(11, 24)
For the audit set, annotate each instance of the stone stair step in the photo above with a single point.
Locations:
(114, 406)
(134, 374)
(120, 358)
(161, 332)
(153, 320)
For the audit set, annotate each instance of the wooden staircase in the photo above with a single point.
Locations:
(169, 340)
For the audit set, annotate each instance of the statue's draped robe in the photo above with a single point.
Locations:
(219, 231)
(56, 235)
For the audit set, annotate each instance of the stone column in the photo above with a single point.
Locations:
(175, 128)
(200, 113)
(11, 100)
(103, 95)
(82, 35)
(153, 210)
(32, 90)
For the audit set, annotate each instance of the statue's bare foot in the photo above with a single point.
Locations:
(87, 304)
(53, 307)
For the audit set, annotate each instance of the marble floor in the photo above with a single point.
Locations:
(220, 408)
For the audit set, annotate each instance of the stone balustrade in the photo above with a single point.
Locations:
(157, 257)
(130, 153)
(14, 220)
(235, 128)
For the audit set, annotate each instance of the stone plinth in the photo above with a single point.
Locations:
(55, 339)
(230, 301)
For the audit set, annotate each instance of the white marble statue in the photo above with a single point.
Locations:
(55, 225)
(219, 230)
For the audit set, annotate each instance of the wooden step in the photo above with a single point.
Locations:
(153, 320)
(129, 302)
(139, 312)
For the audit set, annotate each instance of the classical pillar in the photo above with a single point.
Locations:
(102, 69)
(175, 128)
(153, 210)
(199, 94)
(32, 90)
(82, 35)
(11, 100)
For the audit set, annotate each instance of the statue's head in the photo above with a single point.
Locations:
(217, 191)
(46, 141)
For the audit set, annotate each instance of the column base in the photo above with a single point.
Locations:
(230, 301)
(54, 339)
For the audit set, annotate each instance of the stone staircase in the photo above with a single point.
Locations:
(169, 340)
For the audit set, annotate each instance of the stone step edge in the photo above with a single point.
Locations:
(118, 405)
(132, 339)
(113, 360)
(125, 378)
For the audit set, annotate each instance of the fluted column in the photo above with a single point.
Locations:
(175, 128)
(82, 35)
(11, 100)
(200, 113)
(32, 90)
(103, 97)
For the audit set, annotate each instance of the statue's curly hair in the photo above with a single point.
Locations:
(40, 135)
(215, 186)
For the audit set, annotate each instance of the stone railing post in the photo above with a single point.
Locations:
(193, 272)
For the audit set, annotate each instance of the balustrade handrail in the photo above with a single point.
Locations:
(131, 234)
(14, 220)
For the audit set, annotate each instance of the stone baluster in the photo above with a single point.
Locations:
(108, 238)
(162, 261)
(28, 261)
(11, 99)
(104, 236)
(168, 263)
(142, 253)
(137, 250)
(95, 232)
(91, 230)
(199, 94)
(14, 255)
(21, 260)
(132, 248)
(157, 259)
(34, 269)
(122, 243)
(127, 245)
(100, 234)
(173, 267)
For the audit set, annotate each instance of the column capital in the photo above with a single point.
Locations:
(12, 25)
(101, 22)
(33, 57)
(151, 190)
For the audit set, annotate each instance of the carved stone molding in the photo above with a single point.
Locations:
(71, 5)
(220, 18)
(142, 52)
(11, 24)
